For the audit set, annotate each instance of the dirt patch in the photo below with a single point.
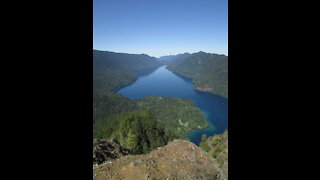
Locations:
(179, 159)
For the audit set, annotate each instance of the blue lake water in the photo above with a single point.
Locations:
(163, 82)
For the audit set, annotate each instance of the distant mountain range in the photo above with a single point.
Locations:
(209, 72)
(171, 58)
(125, 61)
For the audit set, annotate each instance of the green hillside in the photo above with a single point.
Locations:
(217, 147)
(113, 70)
(178, 114)
(108, 104)
(209, 72)
(138, 130)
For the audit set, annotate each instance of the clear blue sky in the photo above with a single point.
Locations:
(161, 27)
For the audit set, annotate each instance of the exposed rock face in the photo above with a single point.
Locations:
(179, 159)
(106, 150)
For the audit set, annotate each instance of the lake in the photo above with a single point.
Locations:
(162, 82)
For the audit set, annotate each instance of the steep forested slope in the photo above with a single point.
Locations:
(108, 104)
(113, 70)
(110, 72)
(138, 130)
(209, 72)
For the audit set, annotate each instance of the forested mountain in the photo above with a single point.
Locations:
(209, 72)
(171, 58)
(110, 72)
(113, 70)
(132, 62)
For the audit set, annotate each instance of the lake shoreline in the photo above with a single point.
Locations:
(123, 86)
(165, 83)
(137, 76)
(197, 88)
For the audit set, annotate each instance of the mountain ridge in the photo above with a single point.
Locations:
(209, 72)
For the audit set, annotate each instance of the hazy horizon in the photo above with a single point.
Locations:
(161, 55)
(161, 28)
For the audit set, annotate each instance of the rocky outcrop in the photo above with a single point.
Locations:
(107, 150)
(217, 147)
(179, 159)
